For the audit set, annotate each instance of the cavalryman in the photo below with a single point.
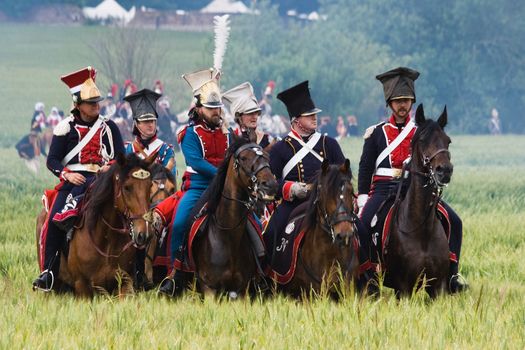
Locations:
(203, 143)
(83, 144)
(146, 143)
(386, 147)
(296, 159)
(246, 110)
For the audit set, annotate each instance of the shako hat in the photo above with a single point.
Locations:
(298, 100)
(82, 85)
(143, 103)
(398, 83)
(205, 87)
(241, 99)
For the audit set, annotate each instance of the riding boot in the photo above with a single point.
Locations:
(173, 286)
(456, 282)
(45, 281)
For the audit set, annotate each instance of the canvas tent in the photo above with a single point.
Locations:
(109, 9)
(225, 6)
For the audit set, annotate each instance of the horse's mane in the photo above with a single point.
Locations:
(328, 189)
(217, 184)
(159, 169)
(100, 192)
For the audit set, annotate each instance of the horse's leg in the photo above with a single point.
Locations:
(83, 288)
(126, 287)
(148, 263)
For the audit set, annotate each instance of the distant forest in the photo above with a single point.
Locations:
(17, 8)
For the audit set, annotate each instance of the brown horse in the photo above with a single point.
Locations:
(327, 255)
(223, 254)
(115, 222)
(417, 253)
(163, 185)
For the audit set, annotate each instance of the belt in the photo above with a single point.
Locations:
(93, 168)
(392, 172)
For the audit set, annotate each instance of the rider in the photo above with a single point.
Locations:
(83, 144)
(38, 124)
(146, 143)
(147, 146)
(243, 105)
(379, 171)
(296, 159)
(203, 143)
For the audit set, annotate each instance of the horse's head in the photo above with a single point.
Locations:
(430, 154)
(132, 185)
(163, 183)
(253, 170)
(333, 198)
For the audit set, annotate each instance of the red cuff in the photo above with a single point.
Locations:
(286, 190)
(452, 257)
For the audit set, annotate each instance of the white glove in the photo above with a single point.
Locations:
(361, 201)
(299, 190)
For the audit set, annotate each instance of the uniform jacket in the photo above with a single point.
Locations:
(105, 145)
(377, 138)
(160, 151)
(306, 169)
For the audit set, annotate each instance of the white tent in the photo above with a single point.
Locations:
(225, 6)
(109, 9)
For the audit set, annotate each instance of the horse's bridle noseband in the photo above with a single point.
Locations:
(341, 213)
(430, 175)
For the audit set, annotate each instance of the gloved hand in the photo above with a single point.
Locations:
(299, 190)
(361, 201)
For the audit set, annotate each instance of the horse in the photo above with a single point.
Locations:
(163, 185)
(115, 222)
(325, 249)
(416, 252)
(223, 252)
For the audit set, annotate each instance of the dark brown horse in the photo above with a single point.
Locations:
(223, 254)
(163, 185)
(327, 257)
(115, 222)
(417, 252)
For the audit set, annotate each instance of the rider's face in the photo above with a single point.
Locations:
(89, 111)
(249, 120)
(401, 108)
(212, 116)
(306, 124)
(147, 128)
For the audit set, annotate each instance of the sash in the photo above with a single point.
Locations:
(83, 142)
(410, 125)
(152, 147)
(306, 148)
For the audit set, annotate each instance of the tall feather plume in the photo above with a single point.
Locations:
(222, 32)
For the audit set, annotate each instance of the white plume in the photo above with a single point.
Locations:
(222, 32)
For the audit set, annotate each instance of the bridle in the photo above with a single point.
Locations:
(430, 174)
(251, 173)
(126, 217)
(160, 180)
(341, 213)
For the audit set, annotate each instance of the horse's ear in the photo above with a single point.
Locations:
(443, 118)
(420, 115)
(324, 166)
(345, 168)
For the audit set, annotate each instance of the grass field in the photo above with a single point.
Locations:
(487, 190)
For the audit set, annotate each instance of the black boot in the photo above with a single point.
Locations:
(172, 287)
(456, 282)
(44, 282)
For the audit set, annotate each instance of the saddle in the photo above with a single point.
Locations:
(283, 251)
(381, 223)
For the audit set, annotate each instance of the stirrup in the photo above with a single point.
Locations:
(167, 291)
(45, 289)
(461, 284)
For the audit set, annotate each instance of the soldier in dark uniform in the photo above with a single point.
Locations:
(379, 177)
(243, 105)
(83, 144)
(296, 159)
